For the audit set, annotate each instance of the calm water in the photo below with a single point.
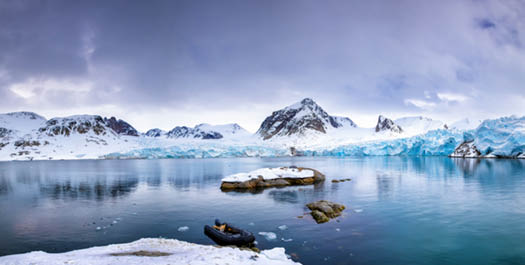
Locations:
(399, 210)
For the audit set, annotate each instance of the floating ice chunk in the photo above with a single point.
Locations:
(358, 210)
(98, 228)
(268, 235)
(115, 222)
(252, 224)
(183, 229)
(275, 254)
(286, 240)
(337, 229)
(282, 227)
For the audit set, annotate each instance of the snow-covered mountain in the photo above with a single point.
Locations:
(78, 136)
(300, 119)
(202, 131)
(156, 132)
(386, 124)
(21, 122)
(300, 129)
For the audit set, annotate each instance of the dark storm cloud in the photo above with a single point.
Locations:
(203, 60)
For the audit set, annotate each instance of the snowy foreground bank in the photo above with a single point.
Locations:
(153, 251)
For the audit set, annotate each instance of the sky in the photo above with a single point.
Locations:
(169, 63)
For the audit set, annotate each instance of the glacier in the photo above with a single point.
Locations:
(503, 137)
(201, 151)
(434, 143)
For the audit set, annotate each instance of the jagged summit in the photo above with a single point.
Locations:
(121, 127)
(156, 132)
(196, 132)
(386, 124)
(300, 118)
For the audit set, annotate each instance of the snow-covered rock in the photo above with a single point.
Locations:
(154, 133)
(299, 119)
(466, 149)
(270, 173)
(162, 251)
(386, 124)
(121, 127)
(77, 124)
(226, 130)
(187, 132)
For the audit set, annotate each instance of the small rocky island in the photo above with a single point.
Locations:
(323, 211)
(272, 177)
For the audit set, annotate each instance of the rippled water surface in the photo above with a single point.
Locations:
(399, 210)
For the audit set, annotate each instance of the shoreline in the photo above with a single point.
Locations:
(153, 251)
(185, 158)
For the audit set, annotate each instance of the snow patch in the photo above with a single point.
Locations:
(178, 252)
(270, 173)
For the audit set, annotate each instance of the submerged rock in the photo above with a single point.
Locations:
(340, 180)
(272, 177)
(323, 211)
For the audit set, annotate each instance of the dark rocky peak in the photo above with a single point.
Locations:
(299, 119)
(386, 124)
(155, 132)
(121, 127)
(197, 133)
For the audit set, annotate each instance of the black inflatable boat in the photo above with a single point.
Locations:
(224, 234)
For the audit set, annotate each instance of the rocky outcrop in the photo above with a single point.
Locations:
(340, 180)
(260, 182)
(299, 119)
(121, 127)
(466, 149)
(81, 124)
(386, 124)
(323, 211)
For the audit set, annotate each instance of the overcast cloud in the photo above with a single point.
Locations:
(168, 63)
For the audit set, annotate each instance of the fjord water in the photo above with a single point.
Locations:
(400, 210)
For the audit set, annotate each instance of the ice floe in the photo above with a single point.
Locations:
(268, 235)
(183, 229)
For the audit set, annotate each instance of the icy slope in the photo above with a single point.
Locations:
(418, 125)
(21, 122)
(438, 142)
(465, 124)
(169, 251)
